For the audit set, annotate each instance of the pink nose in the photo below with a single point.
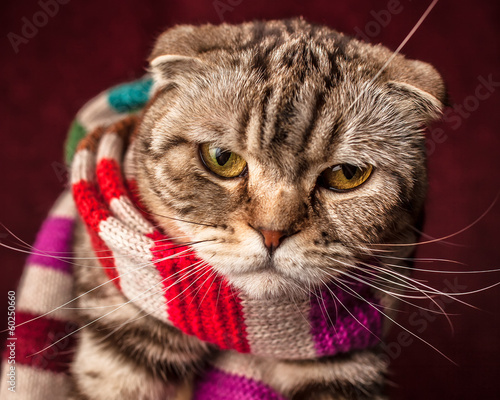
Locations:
(272, 239)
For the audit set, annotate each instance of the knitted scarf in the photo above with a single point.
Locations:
(157, 276)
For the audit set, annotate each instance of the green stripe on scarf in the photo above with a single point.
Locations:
(75, 134)
(126, 98)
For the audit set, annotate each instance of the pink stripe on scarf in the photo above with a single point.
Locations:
(53, 244)
(216, 385)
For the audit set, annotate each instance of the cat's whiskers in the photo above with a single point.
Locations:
(137, 316)
(201, 266)
(380, 258)
(210, 272)
(180, 245)
(421, 259)
(399, 296)
(34, 250)
(385, 315)
(299, 287)
(451, 296)
(176, 219)
(325, 310)
(214, 275)
(337, 300)
(428, 290)
(396, 52)
(307, 293)
(195, 269)
(352, 267)
(31, 247)
(405, 281)
(106, 314)
(338, 279)
(485, 271)
(400, 284)
(141, 313)
(61, 255)
(362, 279)
(440, 239)
(301, 313)
(141, 266)
(194, 265)
(218, 295)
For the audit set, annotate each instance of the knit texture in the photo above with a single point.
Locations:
(150, 271)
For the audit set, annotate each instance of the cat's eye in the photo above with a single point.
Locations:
(343, 177)
(224, 163)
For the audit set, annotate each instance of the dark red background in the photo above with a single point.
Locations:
(88, 46)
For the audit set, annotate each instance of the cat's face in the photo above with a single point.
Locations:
(277, 151)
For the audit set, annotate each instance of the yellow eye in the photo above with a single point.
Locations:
(345, 177)
(222, 162)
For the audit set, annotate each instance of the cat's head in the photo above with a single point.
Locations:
(284, 151)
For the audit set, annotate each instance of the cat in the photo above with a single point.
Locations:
(287, 155)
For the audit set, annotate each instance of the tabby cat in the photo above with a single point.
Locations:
(287, 155)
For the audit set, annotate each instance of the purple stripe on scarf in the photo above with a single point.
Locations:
(345, 322)
(53, 244)
(219, 385)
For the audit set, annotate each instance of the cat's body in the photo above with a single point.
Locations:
(290, 100)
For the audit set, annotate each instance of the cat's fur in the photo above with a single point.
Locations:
(292, 99)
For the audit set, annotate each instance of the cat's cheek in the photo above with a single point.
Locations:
(174, 233)
(169, 226)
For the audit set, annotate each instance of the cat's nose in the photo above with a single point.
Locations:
(272, 239)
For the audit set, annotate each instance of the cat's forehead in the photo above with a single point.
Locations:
(296, 99)
(289, 124)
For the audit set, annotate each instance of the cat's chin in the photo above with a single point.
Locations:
(268, 285)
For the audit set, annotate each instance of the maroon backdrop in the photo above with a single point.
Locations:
(84, 47)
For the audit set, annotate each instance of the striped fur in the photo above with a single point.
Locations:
(145, 269)
(283, 96)
(292, 99)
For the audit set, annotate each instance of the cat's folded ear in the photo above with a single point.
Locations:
(174, 59)
(174, 69)
(421, 85)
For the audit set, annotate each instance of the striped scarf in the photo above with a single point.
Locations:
(158, 277)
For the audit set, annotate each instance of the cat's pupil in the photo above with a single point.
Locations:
(222, 156)
(349, 170)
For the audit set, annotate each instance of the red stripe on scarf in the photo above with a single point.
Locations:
(90, 205)
(105, 256)
(93, 210)
(189, 289)
(35, 336)
(110, 181)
